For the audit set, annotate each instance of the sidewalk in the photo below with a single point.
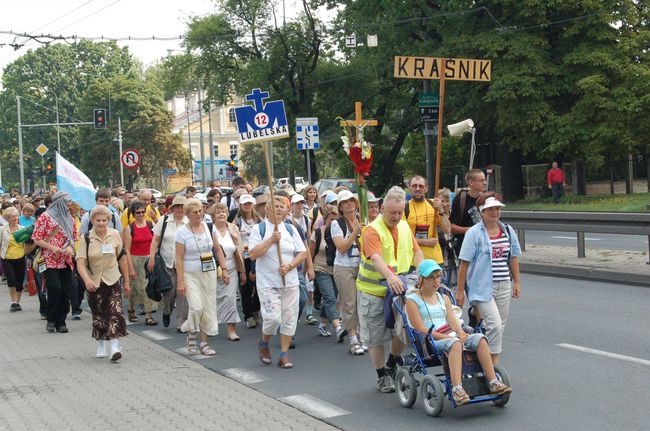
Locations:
(627, 267)
(54, 382)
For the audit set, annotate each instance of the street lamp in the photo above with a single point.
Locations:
(56, 105)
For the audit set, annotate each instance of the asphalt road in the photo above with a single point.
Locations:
(555, 387)
(592, 240)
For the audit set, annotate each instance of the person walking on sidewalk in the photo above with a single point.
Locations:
(101, 263)
(13, 257)
(230, 241)
(55, 232)
(464, 213)
(165, 231)
(138, 236)
(345, 234)
(389, 249)
(490, 268)
(277, 285)
(556, 182)
(196, 270)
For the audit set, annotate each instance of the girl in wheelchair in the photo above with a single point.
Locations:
(430, 313)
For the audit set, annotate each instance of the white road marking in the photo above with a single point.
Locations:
(155, 335)
(314, 406)
(242, 375)
(573, 237)
(605, 354)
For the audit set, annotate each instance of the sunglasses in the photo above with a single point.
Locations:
(140, 212)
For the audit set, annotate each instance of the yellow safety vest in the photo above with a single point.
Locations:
(369, 278)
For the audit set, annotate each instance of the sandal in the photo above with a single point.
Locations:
(233, 337)
(132, 316)
(192, 348)
(265, 354)
(284, 362)
(150, 321)
(207, 350)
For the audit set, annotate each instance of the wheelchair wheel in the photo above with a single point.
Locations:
(433, 395)
(502, 375)
(406, 387)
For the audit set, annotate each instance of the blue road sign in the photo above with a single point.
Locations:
(307, 134)
(169, 171)
(263, 121)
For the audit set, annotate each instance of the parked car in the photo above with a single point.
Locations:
(260, 191)
(281, 183)
(156, 194)
(332, 183)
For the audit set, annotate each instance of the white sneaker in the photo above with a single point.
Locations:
(101, 349)
(116, 351)
(251, 323)
(363, 345)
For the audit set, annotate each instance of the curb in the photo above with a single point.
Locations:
(584, 273)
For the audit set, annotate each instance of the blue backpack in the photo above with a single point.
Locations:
(262, 226)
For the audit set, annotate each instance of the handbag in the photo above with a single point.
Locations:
(159, 280)
(31, 281)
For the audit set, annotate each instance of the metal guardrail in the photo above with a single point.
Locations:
(580, 222)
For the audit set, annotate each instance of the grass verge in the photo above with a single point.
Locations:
(625, 203)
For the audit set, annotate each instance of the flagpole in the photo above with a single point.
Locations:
(274, 217)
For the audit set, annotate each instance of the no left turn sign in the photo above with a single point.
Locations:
(131, 158)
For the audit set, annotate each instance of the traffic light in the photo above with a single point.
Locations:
(232, 165)
(49, 168)
(100, 118)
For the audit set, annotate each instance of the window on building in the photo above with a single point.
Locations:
(195, 151)
(234, 149)
(231, 115)
(216, 150)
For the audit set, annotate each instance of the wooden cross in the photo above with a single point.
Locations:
(358, 123)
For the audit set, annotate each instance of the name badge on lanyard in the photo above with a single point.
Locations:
(41, 265)
(207, 263)
(422, 231)
(107, 248)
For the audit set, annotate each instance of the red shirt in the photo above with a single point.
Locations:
(43, 228)
(141, 240)
(555, 175)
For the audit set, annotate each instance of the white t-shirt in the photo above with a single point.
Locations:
(228, 246)
(168, 246)
(352, 257)
(195, 246)
(267, 266)
(233, 202)
(245, 229)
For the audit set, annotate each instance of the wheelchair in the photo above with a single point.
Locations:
(434, 387)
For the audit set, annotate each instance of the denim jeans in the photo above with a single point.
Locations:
(329, 292)
(303, 292)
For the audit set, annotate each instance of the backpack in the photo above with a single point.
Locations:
(262, 227)
(90, 223)
(330, 248)
(87, 239)
(149, 225)
(407, 209)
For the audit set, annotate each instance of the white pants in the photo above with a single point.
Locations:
(279, 307)
(201, 294)
(495, 314)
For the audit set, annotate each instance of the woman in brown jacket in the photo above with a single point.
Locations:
(230, 240)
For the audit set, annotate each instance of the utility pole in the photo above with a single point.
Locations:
(428, 145)
(201, 140)
(119, 141)
(211, 142)
(58, 134)
(20, 149)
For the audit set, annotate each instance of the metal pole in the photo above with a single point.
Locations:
(211, 142)
(43, 170)
(20, 149)
(443, 61)
(119, 140)
(201, 140)
(58, 134)
(428, 145)
(522, 239)
(308, 166)
(581, 244)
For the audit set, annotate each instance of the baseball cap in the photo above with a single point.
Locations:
(297, 198)
(345, 195)
(261, 199)
(490, 203)
(372, 197)
(427, 266)
(246, 199)
(329, 197)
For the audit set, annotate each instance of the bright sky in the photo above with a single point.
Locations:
(108, 18)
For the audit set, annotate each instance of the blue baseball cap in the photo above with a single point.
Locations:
(427, 266)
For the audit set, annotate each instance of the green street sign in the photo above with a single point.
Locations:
(428, 100)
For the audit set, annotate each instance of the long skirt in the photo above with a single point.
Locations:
(106, 306)
(139, 287)
(227, 298)
(201, 294)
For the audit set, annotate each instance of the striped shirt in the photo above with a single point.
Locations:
(500, 257)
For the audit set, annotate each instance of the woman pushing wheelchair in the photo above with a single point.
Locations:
(430, 312)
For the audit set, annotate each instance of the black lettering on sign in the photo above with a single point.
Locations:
(485, 66)
(401, 66)
(418, 66)
(450, 68)
(463, 69)
(433, 72)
